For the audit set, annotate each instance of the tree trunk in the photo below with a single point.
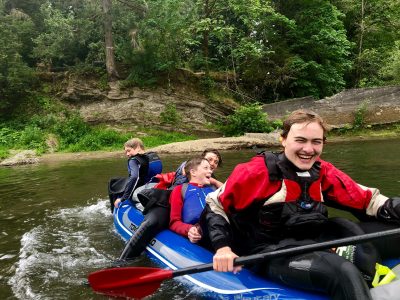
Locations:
(205, 43)
(110, 59)
(360, 44)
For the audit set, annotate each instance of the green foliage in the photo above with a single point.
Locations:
(3, 153)
(249, 118)
(70, 34)
(162, 137)
(320, 47)
(390, 71)
(359, 116)
(72, 134)
(170, 115)
(16, 77)
(98, 139)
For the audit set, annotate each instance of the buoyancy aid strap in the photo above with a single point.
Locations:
(184, 189)
(386, 272)
(271, 160)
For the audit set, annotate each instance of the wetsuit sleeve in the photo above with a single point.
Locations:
(218, 229)
(134, 167)
(175, 223)
(340, 188)
(390, 211)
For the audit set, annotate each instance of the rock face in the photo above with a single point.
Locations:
(382, 106)
(21, 158)
(144, 107)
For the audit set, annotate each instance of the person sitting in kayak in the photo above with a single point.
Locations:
(277, 201)
(189, 199)
(142, 166)
(157, 216)
(212, 156)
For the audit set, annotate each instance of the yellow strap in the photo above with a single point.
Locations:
(381, 270)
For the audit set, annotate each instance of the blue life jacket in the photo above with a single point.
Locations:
(179, 177)
(150, 165)
(194, 202)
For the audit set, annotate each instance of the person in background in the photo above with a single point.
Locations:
(142, 166)
(189, 199)
(157, 217)
(278, 200)
(212, 156)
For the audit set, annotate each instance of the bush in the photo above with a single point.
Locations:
(170, 115)
(99, 139)
(32, 137)
(359, 116)
(248, 118)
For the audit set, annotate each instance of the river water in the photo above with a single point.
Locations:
(56, 227)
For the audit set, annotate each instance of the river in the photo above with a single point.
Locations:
(56, 227)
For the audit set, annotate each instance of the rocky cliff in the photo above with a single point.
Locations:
(144, 107)
(381, 106)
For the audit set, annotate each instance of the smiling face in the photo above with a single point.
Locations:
(303, 144)
(213, 159)
(201, 173)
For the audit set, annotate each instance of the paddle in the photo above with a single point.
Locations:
(138, 282)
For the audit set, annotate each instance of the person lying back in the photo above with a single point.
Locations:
(188, 200)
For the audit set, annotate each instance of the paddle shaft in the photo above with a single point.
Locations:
(255, 258)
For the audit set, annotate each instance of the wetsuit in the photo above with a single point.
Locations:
(141, 168)
(272, 205)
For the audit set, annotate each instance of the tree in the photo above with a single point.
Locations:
(373, 26)
(16, 77)
(320, 48)
(109, 45)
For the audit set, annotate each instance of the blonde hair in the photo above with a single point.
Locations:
(134, 143)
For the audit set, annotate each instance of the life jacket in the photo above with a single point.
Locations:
(150, 165)
(179, 177)
(194, 202)
(299, 203)
(295, 208)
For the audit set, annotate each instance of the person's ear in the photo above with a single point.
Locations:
(283, 141)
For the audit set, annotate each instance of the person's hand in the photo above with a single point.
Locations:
(223, 261)
(194, 234)
(215, 182)
(117, 202)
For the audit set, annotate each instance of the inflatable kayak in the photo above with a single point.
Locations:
(175, 252)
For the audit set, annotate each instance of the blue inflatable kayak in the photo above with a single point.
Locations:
(175, 252)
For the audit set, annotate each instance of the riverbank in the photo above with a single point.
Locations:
(247, 141)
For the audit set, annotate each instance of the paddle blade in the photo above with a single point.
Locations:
(132, 282)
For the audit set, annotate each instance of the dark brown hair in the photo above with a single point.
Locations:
(216, 152)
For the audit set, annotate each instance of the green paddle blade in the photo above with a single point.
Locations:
(132, 282)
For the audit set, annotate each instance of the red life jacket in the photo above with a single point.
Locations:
(295, 209)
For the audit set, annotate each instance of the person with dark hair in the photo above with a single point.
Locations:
(278, 200)
(156, 217)
(214, 158)
(189, 199)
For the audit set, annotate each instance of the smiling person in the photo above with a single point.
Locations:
(278, 200)
(188, 200)
(212, 156)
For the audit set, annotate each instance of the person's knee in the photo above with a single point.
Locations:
(339, 277)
